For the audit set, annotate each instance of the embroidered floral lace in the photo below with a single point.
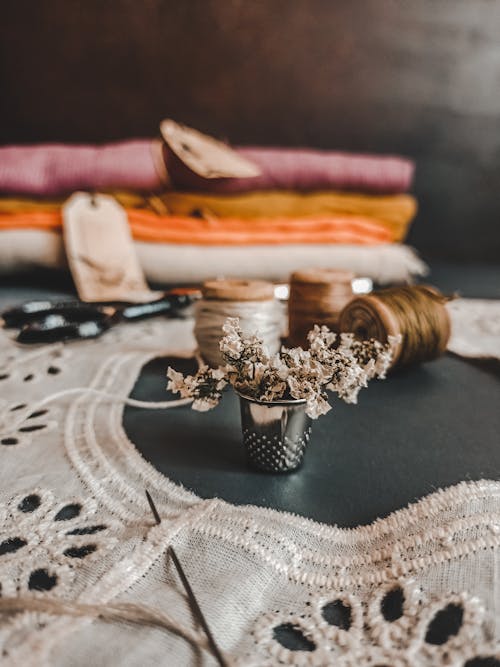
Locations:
(419, 588)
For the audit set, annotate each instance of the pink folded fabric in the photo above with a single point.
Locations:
(303, 170)
(51, 169)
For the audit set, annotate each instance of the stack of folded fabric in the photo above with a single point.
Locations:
(305, 208)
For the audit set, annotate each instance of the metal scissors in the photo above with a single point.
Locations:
(46, 321)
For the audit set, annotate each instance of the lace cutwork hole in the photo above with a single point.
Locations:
(20, 406)
(37, 413)
(11, 545)
(291, 637)
(337, 613)
(483, 662)
(445, 624)
(29, 503)
(91, 530)
(68, 512)
(30, 429)
(80, 552)
(28, 378)
(392, 605)
(9, 441)
(53, 370)
(42, 580)
(4, 376)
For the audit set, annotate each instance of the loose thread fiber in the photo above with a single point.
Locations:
(417, 313)
(111, 612)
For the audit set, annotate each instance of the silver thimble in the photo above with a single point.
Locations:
(275, 434)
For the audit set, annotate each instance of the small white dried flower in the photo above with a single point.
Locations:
(205, 387)
(321, 338)
(231, 345)
(204, 404)
(176, 380)
(317, 406)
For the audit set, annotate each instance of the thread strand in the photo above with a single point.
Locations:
(119, 612)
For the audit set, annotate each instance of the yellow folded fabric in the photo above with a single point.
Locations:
(52, 205)
(284, 204)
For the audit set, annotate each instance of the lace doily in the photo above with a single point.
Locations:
(475, 328)
(419, 588)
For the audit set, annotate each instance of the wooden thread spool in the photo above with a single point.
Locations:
(316, 297)
(416, 313)
(252, 301)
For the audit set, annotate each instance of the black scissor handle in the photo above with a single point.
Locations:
(32, 311)
(55, 327)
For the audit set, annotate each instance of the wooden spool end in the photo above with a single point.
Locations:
(369, 317)
(238, 290)
(322, 276)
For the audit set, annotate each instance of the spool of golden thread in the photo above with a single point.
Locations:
(316, 297)
(417, 313)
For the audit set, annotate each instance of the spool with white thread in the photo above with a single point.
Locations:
(252, 301)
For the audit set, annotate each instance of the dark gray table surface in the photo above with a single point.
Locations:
(424, 428)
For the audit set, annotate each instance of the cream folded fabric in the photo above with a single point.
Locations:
(173, 263)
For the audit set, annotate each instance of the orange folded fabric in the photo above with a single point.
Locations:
(148, 226)
(44, 221)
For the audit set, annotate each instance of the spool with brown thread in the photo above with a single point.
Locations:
(316, 297)
(417, 313)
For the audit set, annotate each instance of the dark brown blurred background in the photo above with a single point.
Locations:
(417, 78)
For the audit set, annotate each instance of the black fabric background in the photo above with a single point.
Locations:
(417, 78)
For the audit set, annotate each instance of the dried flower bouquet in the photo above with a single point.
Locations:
(340, 364)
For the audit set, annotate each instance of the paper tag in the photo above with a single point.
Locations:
(100, 251)
(204, 155)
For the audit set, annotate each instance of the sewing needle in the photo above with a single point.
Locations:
(189, 591)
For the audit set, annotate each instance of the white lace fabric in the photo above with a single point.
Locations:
(476, 328)
(75, 524)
